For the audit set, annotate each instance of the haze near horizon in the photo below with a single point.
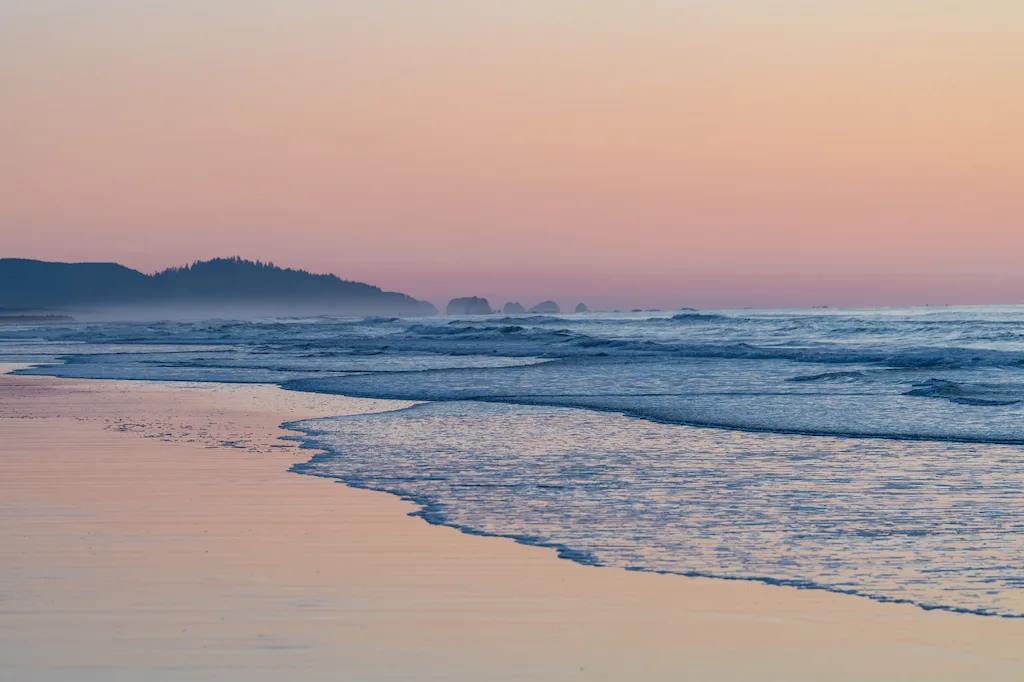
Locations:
(653, 154)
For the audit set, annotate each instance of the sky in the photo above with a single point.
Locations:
(643, 153)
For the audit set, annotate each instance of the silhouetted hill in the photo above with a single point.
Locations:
(33, 284)
(222, 286)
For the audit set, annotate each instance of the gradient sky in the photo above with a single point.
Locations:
(644, 153)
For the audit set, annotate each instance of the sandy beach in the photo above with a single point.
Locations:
(152, 531)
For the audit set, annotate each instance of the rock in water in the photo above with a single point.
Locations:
(582, 308)
(470, 305)
(546, 308)
(514, 308)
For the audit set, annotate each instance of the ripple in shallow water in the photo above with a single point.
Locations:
(937, 524)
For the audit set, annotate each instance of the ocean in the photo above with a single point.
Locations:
(875, 452)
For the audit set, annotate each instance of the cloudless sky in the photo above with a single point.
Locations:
(627, 153)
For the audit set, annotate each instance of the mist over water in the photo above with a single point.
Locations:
(875, 452)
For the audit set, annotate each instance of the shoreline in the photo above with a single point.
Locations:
(342, 581)
(427, 509)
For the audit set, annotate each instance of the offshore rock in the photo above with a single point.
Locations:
(469, 305)
(514, 308)
(546, 308)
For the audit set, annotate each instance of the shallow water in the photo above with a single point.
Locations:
(872, 451)
(936, 524)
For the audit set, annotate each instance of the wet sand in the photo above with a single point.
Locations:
(152, 532)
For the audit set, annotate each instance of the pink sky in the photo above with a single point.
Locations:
(628, 154)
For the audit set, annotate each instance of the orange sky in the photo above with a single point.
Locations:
(658, 153)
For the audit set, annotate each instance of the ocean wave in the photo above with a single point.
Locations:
(526, 320)
(753, 396)
(698, 317)
(830, 339)
(981, 395)
(781, 510)
(841, 377)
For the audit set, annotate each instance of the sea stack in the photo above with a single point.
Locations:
(469, 305)
(582, 308)
(514, 308)
(546, 308)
